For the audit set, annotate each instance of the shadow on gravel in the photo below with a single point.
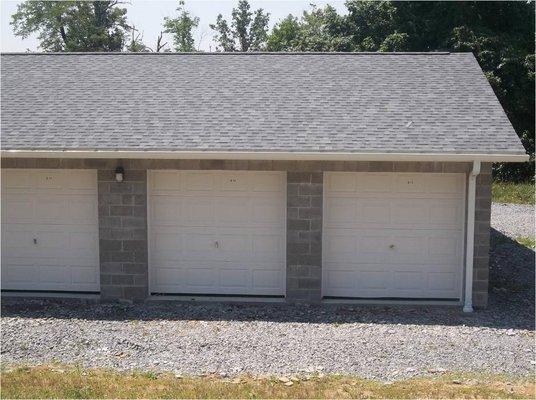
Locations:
(511, 304)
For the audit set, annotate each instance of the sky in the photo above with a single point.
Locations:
(148, 15)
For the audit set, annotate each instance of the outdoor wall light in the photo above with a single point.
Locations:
(119, 173)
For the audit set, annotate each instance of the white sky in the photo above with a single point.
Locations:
(148, 15)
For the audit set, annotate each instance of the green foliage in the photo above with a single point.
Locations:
(516, 193)
(136, 44)
(248, 31)
(72, 25)
(181, 27)
(395, 42)
(283, 35)
(526, 241)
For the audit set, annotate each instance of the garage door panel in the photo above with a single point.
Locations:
(268, 211)
(51, 242)
(373, 212)
(234, 278)
(197, 211)
(196, 181)
(341, 183)
(50, 230)
(410, 183)
(412, 280)
(51, 209)
(338, 278)
(374, 279)
(340, 247)
(168, 181)
(233, 247)
(17, 208)
(445, 249)
(446, 213)
(231, 226)
(49, 179)
(165, 241)
(232, 181)
(407, 249)
(446, 184)
(83, 275)
(442, 281)
(80, 210)
(410, 213)
(166, 273)
(83, 243)
(234, 211)
(268, 247)
(199, 246)
(372, 247)
(15, 179)
(268, 281)
(165, 210)
(80, 180)
(17, 240)
(54, 274)
(270, 183)
(340, 211)
(200, 278)
(18, 271)
(406, 242)
(374, 183)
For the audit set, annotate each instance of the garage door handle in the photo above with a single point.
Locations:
(35, 241)
(216, 244)
(392, 246)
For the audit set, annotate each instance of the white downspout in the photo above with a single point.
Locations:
(470, 239)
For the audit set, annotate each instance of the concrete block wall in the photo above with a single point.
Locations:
(123, 235)
(304, 236)
(123, 216)
(482, 237)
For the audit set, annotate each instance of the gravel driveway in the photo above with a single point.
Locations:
(376, 342)
(513, 220)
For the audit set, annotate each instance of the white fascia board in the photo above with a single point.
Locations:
(260, 155)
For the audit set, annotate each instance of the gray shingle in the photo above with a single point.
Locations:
(353, 102)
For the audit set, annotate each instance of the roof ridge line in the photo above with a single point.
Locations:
(280, 53)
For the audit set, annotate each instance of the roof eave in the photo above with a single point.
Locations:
(262, 155)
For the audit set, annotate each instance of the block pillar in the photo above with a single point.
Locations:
(304, 236)
(123, 235)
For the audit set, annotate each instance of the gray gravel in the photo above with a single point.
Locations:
(513, 220)
(375, 342)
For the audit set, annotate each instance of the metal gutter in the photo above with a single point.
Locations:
(261, 155)
(470, 239)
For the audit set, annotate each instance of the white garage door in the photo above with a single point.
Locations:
(217, 232)
(393, 235)
(50, 230)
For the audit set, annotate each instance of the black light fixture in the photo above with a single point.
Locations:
(119, 174)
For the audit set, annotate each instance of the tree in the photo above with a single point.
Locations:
(247, 32)
(284, 35)
(73, 25)
(320, 29)
(181, 27)
(136, 44)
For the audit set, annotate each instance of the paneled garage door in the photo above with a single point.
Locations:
(50, 230)
(393, 235)
(217, 232)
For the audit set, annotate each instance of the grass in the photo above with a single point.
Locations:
(517, 193)
(526, 241)
(67, 382)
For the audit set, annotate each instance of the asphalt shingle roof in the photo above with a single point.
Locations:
(353, 102)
